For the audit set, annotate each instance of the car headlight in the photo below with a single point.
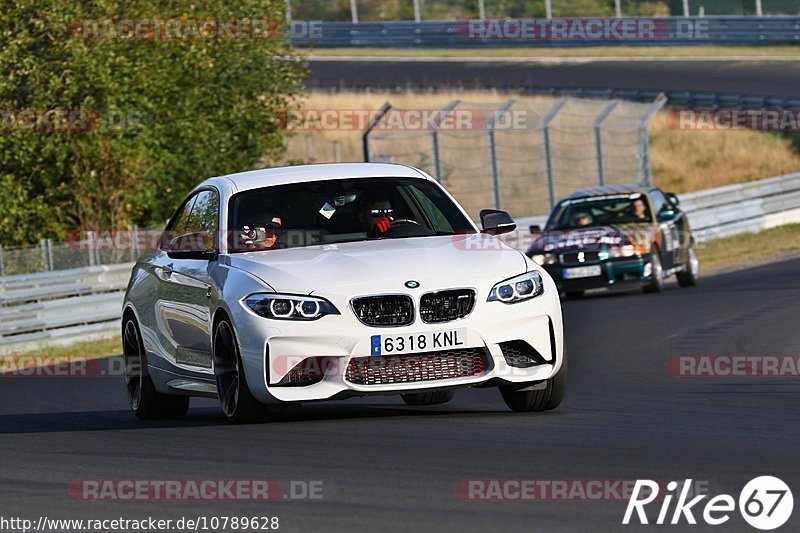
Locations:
(517, 289)
(286, 307)
(628, 250)
(544, 259)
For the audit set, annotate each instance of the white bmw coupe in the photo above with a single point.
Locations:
(324, 282)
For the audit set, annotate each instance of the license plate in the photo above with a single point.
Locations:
(582, 272)
(430, 341)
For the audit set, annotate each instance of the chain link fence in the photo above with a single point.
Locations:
(93, 249)
(521, 156)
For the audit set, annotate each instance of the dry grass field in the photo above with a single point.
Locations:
(682, 161)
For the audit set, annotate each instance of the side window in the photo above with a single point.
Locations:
(659, 201)
(204, 218)
(179, 223)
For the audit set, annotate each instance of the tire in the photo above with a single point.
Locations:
(429, 398)
(657, 284)
(574, 295)
(145, 401)
(688, 278)
(237, 402)
(545, 399)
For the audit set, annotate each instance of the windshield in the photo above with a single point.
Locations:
(336, 211)
(600, 211)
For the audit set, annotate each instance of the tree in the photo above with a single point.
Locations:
(98, 130)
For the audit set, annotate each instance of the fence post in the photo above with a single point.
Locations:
(547, 155)
(437, 165)
(644, 172)
(372, 123)
(598, 141)
(43, 253)
(493, 151)
(91, 239)
(2, 262)
(309, 147)
(133, 242)
(49, 246)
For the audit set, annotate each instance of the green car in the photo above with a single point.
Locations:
(616, 236)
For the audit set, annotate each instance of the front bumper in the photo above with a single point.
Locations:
(271, 348)
(622, 273)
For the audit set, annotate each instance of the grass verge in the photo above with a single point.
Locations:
(84, 349)
(594, 51)
(769, 244)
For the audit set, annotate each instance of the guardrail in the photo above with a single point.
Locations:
(689, 99)
(84, 303)
(61, 307)
(743, 208)
(668, 31)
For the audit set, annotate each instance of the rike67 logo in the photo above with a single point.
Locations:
(765, 503)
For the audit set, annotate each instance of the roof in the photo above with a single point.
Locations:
(611, 189)
(254, 179)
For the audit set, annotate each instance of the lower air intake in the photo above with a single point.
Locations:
(520, 354)
(449, 364)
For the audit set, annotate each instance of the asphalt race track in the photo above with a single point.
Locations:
(777, 79)
(388, 467)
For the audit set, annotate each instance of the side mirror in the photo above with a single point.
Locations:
(195, 245)
(666, 214)
(535, 228)
(496, 222)
(673, 199)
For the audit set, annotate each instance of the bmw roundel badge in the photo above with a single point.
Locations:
(411, 284)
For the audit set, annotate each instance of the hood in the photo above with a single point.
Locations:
(434, 262)
(593, 238)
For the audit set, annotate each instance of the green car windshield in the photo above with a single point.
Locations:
(601, 211)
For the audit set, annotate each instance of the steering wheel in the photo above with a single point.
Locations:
(400, 221)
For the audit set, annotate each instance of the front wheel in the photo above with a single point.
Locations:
(688, 278)
(238, 404)
(545, 399)
(429, 398)
(145, 401)
(657, 275)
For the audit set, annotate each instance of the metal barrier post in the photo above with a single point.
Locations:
(49, 247)
(435, 139)
(598, 143)
(43, 253)
(91, 239)
(644, 170)
(493, 151)
(372, 123)
(547, 155)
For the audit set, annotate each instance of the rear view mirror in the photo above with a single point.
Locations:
(496, 222)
